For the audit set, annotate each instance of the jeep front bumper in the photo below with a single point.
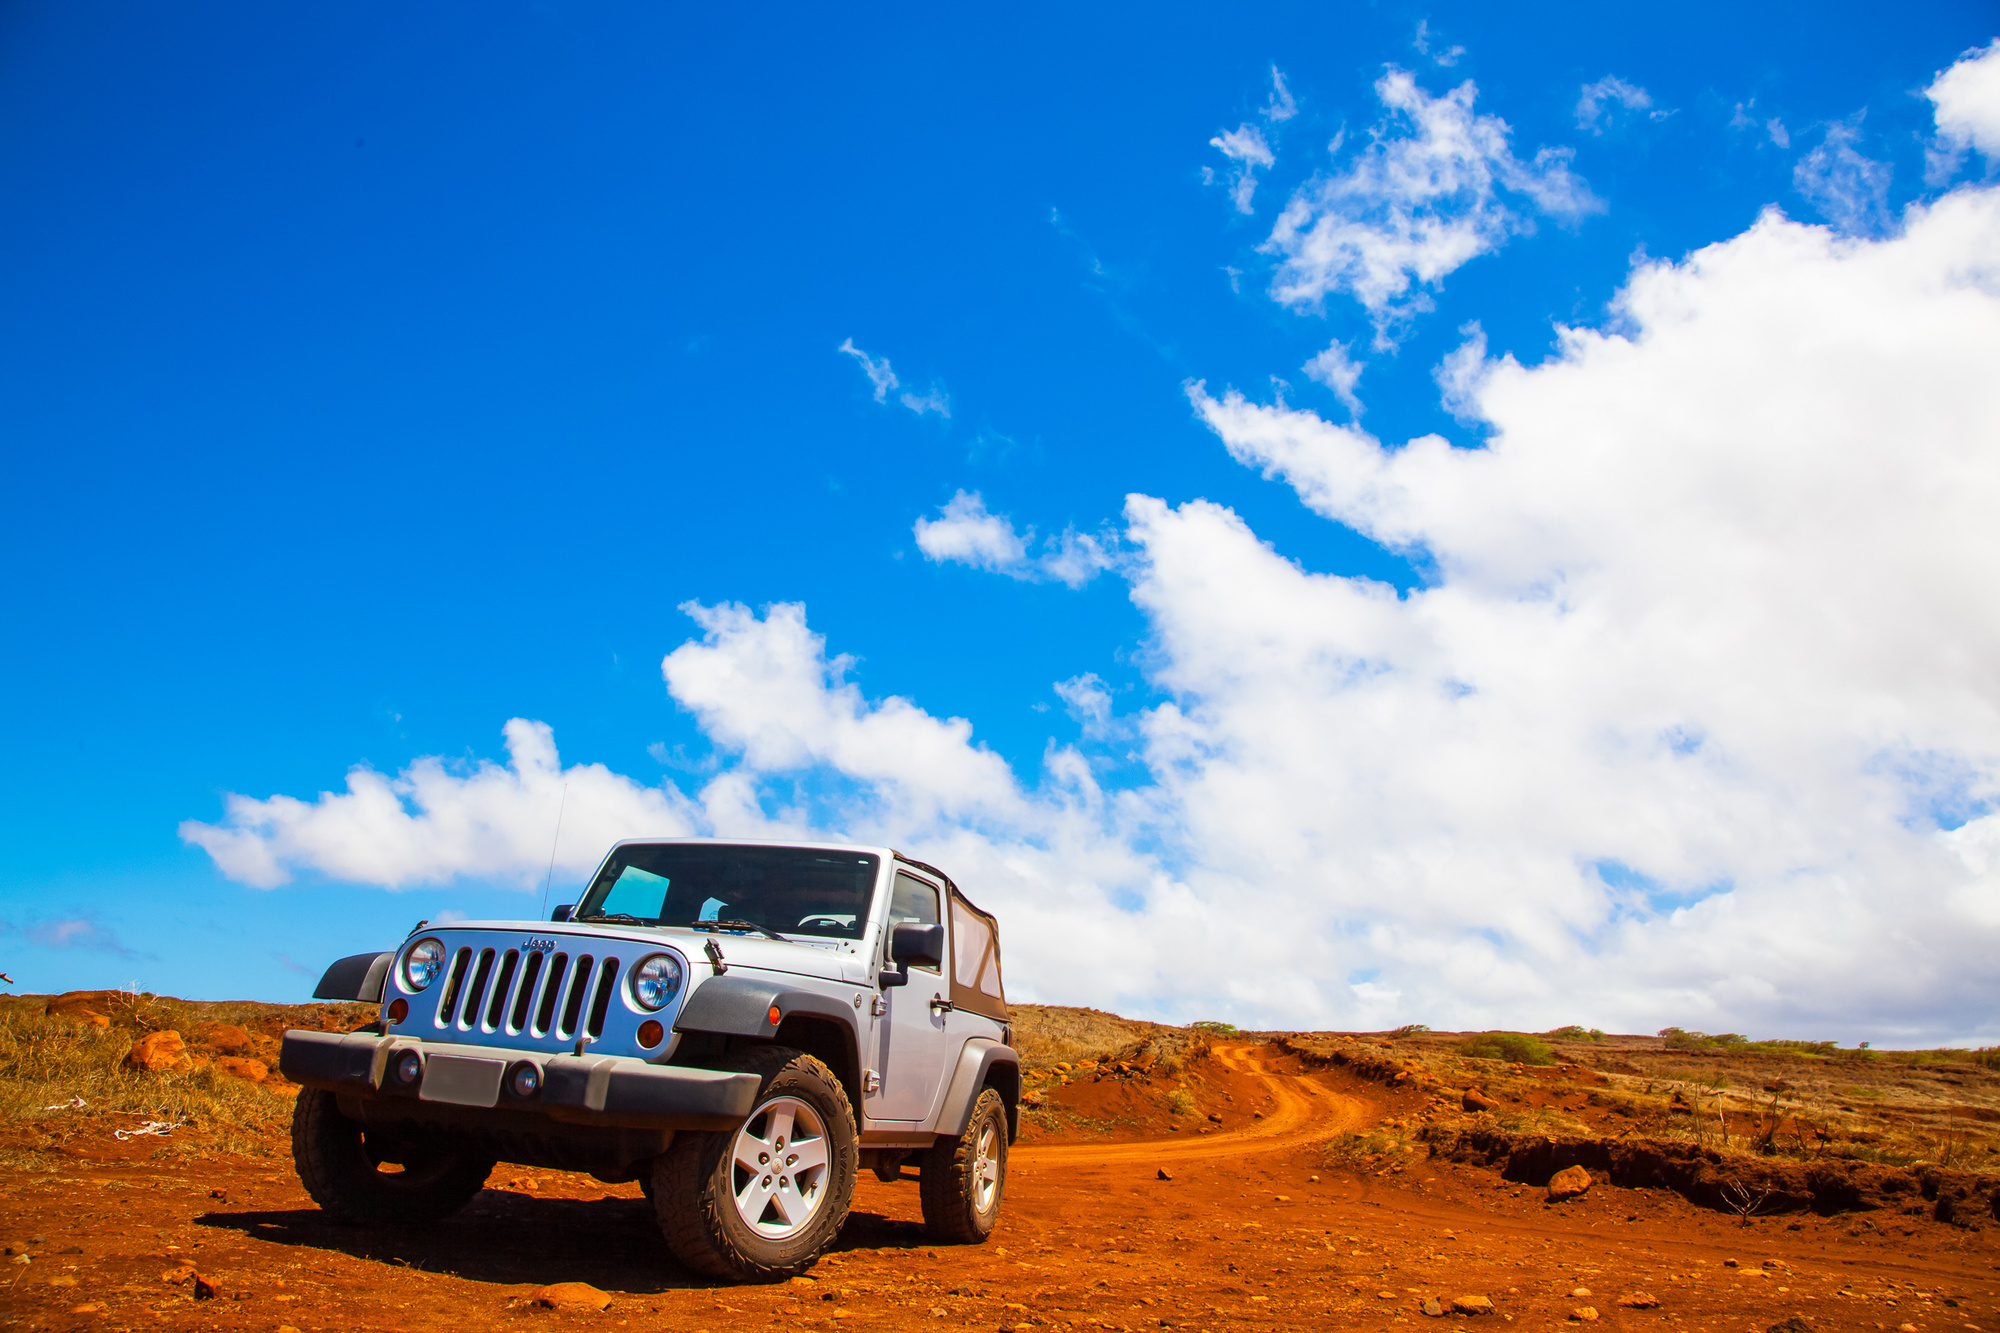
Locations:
(608, 1090)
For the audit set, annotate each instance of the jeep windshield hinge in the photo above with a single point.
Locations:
(714, 952)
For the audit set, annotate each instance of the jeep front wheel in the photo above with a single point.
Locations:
(341, 1164)
(963, 1178)
(766, 1199)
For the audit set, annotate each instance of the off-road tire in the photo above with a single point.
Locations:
(964, 1178)
(344, 1178)
(695, 1180)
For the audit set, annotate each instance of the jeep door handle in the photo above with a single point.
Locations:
(940, 1005)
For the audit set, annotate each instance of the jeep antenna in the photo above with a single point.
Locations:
(560, 806)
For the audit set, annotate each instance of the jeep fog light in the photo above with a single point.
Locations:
(409, 1067)
(423, 963)
(524, 1081)
(656, 980)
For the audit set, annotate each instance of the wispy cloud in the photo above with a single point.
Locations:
(1596, 102)
(882, 379)
(1427, 46)
(1426, 196)
(1850, 190)
(965, 532)
(77, 932)
(1340, 372)
(1244, 146)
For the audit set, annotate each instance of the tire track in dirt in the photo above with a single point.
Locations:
(1305, 1113)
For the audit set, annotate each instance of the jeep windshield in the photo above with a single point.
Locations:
(782, 890)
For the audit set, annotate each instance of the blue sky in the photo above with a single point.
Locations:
(371, 378)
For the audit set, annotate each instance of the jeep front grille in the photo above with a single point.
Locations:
(492, 990)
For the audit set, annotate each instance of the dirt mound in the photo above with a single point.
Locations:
(1729, 1182)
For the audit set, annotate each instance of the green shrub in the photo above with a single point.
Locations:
(1575, 1033)
(1514, 1047)
(1219, 1029)
(1410, 1029)
(1180, 1102)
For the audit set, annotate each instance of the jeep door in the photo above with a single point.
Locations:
(911, 1047)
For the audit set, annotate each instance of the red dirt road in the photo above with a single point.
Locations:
(1242, 1237)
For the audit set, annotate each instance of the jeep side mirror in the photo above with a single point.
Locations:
(562, 913)
(916, 945)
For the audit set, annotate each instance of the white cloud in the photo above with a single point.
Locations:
(1426, 196)
(1281, 107)
(1244, 146)
(1850, 190)
(436, 822)
(1694, 721)
(1594, 103)
(1088, 700)
(882, 379)
(965, 532)
(1967, 102)
(1340, 372)
(1445, 58)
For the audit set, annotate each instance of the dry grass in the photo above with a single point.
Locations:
(48, 1062)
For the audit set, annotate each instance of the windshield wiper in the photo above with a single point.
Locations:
(621, 918)
(735, 925)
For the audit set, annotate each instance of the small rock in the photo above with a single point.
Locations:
(1584, 1314)
(91, 1308)
(286, 1328)
(1581, 1291)
(238, 1066)
(20, 1259)
(1282, 1198)
(1471, 1305)
(1163, 1175)
(939, 1312)
(227, 1038)
(62, 1280)
(1792, 1325)
(1432, 1308)
(570, 1296)
(1730, 1263)
(1313, 1179)
(805, 1282)
(1906, 1328)
(204, 1290)
(1639, 1300)
(87, 1006)
(1214, 1118)
(1385, 1295)
(1475, 1100)
(158, 1053)
(1569, 1183)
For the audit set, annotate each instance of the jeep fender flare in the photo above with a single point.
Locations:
(982, 1063)
(741, 1007)
(359, 976)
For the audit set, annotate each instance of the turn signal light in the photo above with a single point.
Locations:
(775, 1015)
(651, 1033)
(399, 1009)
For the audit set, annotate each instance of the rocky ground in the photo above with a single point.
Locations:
(1311, 1181)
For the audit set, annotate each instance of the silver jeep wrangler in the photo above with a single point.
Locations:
(740, 1027)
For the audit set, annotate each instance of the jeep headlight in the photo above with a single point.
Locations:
(656, 980)
(423, 963)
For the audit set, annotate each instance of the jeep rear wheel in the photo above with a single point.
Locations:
(766, 1199)
(964, 1178)
(342, 1165)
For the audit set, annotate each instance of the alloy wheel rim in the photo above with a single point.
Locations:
(986, 1167)
(778, 1167)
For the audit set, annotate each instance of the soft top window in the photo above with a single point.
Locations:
(791, 890)
(975, 973)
